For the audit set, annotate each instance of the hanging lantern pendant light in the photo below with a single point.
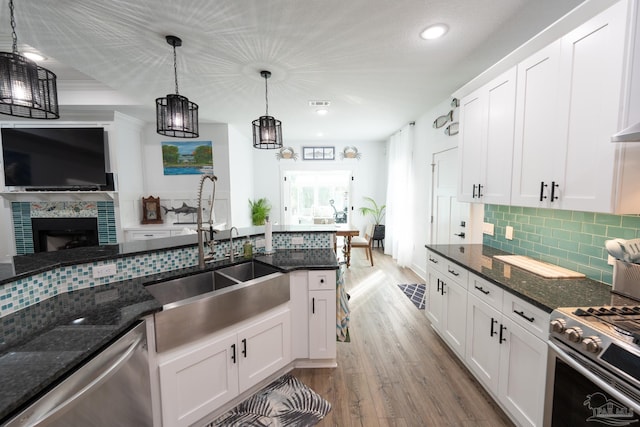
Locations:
(267, 131)
(176, 116)
(26, 89)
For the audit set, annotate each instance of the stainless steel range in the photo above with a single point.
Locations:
(593, 375)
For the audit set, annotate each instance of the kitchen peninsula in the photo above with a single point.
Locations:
(57, 311)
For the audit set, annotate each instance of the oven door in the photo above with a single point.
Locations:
(581, 393)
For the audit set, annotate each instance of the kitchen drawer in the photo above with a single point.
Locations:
(436, 261)
(526, 315)
(320, 280)
(457, 273)
(144, 235)
(486, 291)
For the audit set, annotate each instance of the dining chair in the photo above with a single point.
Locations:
(365, 242)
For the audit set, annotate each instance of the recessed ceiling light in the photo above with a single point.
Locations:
(33, 56)
(319, 134)
(322, 111)
(434, 32)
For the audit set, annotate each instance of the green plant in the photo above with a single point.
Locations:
(376, 211)
(260, 210)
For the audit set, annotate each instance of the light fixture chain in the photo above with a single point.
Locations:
(266, 94)
(175, 67)
(13, 28)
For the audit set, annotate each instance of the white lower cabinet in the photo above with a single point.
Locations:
(507, 358)
(198, 378)
(446, 306)
(313, 296)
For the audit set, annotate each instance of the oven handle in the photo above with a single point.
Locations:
(594, 379)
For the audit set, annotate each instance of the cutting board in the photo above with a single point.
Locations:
(544, 269)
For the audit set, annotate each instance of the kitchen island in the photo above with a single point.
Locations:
(73, 316)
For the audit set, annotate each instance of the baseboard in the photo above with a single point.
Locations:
(308, 363)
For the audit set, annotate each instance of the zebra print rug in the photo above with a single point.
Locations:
(284, 402)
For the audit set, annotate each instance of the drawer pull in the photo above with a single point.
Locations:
(433, 260)
(521, 314)
(501, 338)
(233, 353)
(244, 347)
(453, 272)
(481, 289)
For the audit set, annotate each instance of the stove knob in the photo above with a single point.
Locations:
(558, 325)
(574, 334)
(591, 344)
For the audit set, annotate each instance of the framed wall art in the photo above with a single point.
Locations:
(318, 153)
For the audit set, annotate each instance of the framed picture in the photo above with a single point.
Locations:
(151, 210)
(187, 157)
(318, 153)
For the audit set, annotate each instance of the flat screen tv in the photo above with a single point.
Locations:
(54, 158)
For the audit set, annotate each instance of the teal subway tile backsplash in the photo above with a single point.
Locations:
(570, 239)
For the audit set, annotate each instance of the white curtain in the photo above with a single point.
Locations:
(399, 239)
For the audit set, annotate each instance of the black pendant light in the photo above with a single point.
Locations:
(26, 90)
(267, 131)
(176, 116)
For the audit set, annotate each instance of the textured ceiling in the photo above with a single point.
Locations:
(364, 56)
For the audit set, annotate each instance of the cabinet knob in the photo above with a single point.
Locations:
(321, 280)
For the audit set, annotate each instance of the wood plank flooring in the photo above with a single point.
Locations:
(396, 371)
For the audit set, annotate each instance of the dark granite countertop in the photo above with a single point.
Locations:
(547, 294)
(42, 344)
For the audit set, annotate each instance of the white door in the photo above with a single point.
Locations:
(447, 213)
(319, 197)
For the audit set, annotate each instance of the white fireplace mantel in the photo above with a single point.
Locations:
(58, 196)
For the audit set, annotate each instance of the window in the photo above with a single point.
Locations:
(316, 197)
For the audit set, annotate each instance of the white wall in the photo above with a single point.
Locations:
(369, 172)
(241, 177)
(174, 190)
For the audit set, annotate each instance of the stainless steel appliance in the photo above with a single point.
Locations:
(593, 375)
(113, 389)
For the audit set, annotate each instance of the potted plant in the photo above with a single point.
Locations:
(260, 210)
(377, 213)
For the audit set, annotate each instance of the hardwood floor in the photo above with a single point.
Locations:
(396, 371)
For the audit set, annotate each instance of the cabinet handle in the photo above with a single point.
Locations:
(542, 187)
(433, 260)
(438, 287)
(473, 196)
(233, 353)
(453, 272)
(493, 322)
(244, 347)
(481, 289)
(313, 305)
(461, 235)
(480, 190)
(501, 339)
(521, 314)
(553, 191)
(442, 291)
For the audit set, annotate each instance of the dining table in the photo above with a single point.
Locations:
(347, 231)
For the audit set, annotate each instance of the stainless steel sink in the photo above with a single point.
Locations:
(198, 305)
(246, 271)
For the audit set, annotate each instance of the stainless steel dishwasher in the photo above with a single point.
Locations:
(113, 389)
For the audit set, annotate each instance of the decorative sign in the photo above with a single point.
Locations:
(318, 153)
(187, 158)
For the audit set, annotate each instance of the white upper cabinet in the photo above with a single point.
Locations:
(569, 100)
(486, 141)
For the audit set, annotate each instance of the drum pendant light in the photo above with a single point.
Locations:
(26, 89)
(267, 131)
(176, 116)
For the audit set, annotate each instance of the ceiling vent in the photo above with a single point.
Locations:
(319, 103)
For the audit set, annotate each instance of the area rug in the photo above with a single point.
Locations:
(415, 293)
(284, 402)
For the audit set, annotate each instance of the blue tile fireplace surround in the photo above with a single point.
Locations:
(24, 212)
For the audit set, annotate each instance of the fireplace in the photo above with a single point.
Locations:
(53, 234)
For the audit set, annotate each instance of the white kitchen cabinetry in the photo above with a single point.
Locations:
(197, 378)
(313, 297)
(446, 305)
(486, 141)
(568, 104)
(322, 316)
(509, 359)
